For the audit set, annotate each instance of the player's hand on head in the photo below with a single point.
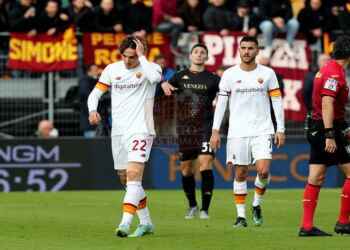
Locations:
(280, 139)
(140, 49)
(94, 118)
(168, 88)
(331, 145)
(215, 140)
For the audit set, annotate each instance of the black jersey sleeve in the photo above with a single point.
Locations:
(174, 80)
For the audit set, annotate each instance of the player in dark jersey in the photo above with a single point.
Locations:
(329, 138)
(195, 90)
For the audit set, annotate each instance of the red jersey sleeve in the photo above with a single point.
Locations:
(331, 83)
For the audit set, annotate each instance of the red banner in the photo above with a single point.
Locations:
(223, 51)
(102, 48)
(43, 53)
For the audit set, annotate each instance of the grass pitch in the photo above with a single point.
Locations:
(86, 220)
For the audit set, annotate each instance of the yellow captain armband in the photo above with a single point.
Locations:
(275, 93)
(102, 86)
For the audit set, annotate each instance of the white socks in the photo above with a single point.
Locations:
(240, 193)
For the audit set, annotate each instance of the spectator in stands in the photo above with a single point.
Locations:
(137, 18)
(217, 17)
(277, 16)
(40, 5)
(52, 20)
(244, 20)
(167, 72)
(191, 12)
(309, 81)
(22, 17)
(86, 85)
(80, 14)
(46, 130)
(4, 9)
(313, 20)
(106, 18)
(166, 20)
(338, 20)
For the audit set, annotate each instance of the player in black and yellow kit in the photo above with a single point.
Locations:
(195, 90)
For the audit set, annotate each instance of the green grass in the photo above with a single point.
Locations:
(86, 220)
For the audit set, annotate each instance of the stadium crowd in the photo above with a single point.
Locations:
(140, 17)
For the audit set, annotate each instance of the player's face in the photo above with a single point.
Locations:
(248, 51)
(130, 58)
(198, 56)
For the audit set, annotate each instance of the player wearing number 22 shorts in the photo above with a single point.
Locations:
(132, 83)
(195, 90)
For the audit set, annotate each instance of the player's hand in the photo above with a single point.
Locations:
(280, 138)
(140, 49)
(168, 88)
(215, 140)
(94, 118)
(331, 146)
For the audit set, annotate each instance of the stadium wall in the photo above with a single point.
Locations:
(80, 164)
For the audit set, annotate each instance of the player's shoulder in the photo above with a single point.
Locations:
(211, 75)
(115, 65)
(181, 73)
(231, 70)
(265, 69)
(331, 69)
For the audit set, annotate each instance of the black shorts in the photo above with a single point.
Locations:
(318, 155)
(191, 146)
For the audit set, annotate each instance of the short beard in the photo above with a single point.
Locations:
(250, 61)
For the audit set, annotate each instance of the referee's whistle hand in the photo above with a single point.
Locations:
(94, 118)
(331, 146)
(280, 139)
(168, 88)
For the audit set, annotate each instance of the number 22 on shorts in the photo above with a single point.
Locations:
(139, 145)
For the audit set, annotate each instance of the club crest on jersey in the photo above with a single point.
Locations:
(138, 74)
(185, 77)
(331, 84)
(260, 80)
(118, 78)
(239, 81)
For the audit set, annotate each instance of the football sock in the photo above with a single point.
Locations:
(345, 203)
(260, 188)
(189, 187)
(131, 201)
(311, 193)
(240, 193)
(207, 188)
(143, 212)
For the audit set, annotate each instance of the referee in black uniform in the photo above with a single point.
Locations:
(195, 90)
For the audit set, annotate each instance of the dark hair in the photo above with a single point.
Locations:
(200, 45)
(250, 39)
(128, 42)
(341, 47)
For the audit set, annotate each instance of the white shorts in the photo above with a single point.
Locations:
(248, 150)
(135, 148)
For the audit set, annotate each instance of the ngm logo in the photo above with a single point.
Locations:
(29, 153)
